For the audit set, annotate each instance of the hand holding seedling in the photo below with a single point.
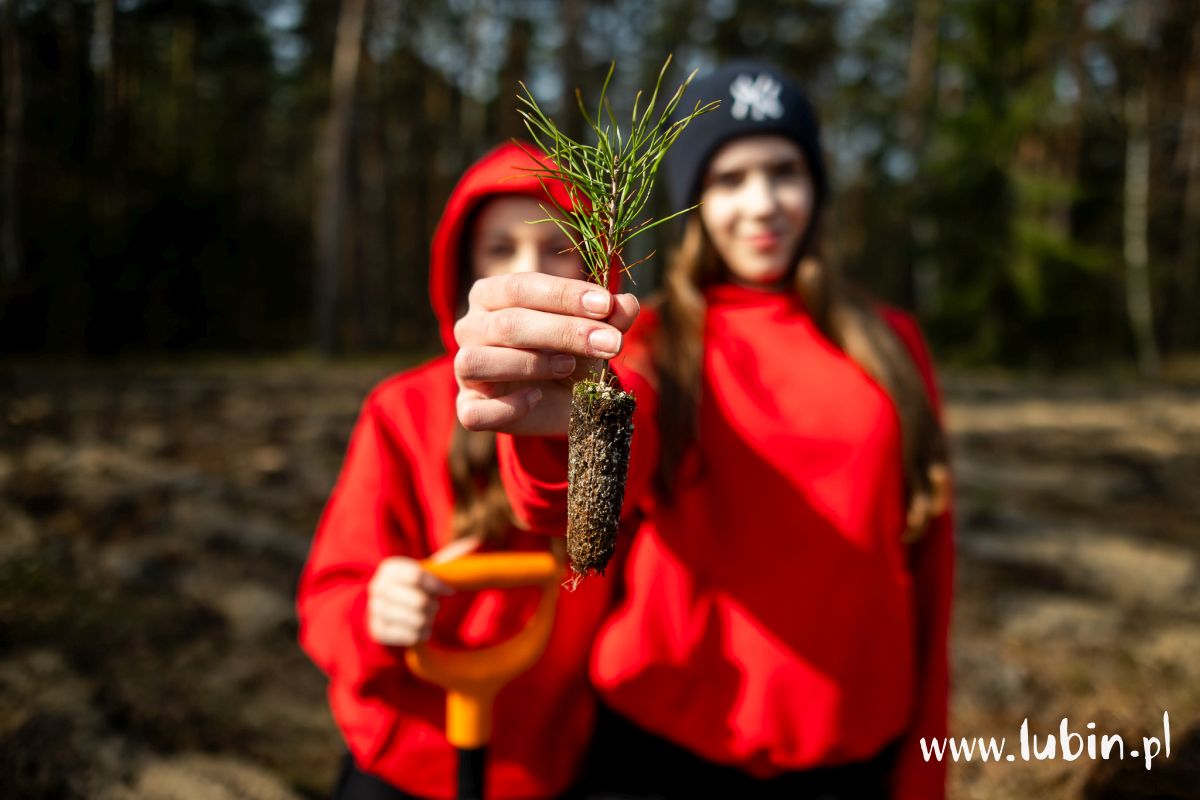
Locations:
(533, 334)
(609, 185)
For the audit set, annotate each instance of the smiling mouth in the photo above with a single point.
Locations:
(763, 241)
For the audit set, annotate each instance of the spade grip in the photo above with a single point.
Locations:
(472, 678)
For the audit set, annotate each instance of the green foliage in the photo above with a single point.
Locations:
(610, 182)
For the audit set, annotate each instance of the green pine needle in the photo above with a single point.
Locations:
(609, 183)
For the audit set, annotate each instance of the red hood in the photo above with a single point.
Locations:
(503, 171)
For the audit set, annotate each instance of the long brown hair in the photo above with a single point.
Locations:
(480, 504)
(843, 313)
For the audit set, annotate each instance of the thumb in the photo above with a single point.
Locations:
(458, 548)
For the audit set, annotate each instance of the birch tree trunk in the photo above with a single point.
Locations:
(335, 172)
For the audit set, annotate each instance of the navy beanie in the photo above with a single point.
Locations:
(756, 98)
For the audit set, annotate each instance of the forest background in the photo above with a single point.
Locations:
(264, 175)
(214, 230)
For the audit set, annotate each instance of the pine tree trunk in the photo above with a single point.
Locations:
(1185, 328)
(14, 122)
(101, 51)
(515, 68)
(919, 282)
(183, 82)
(573, 13)
(1138, 298)
(335, 172)
(373, 288)
(1137, 251)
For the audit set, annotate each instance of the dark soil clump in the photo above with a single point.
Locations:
(599, 437)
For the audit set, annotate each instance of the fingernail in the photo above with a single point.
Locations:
(596, 302)
(605, 342)
(562, 364)
(533, 396)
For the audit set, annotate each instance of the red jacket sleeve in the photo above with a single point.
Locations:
(357, 530)
(931, 560)
(533, 469)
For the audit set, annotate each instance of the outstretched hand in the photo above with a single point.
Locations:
(525, 340)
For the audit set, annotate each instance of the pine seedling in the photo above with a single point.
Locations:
(609, 184)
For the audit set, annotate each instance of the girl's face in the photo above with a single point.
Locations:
(757, 202)
(503, 241)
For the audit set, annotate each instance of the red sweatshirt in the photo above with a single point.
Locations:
(772, 618)
(394, 498)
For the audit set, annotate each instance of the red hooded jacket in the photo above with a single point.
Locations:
(772, 618)
(393, 497)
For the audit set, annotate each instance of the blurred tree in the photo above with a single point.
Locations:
(1186, 325)
(333, 217)
(14, 113)
(1137, 196)
(915, 113)
(573, 20)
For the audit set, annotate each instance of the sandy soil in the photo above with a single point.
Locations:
(153, 521)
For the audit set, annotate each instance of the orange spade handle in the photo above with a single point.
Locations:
(497, 570)
(472, 678)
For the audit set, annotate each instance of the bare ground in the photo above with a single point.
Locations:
(153, 521)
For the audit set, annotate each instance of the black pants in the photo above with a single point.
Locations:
(628, 762)
(354, 784)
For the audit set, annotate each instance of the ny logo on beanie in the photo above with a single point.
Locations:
(758, 97)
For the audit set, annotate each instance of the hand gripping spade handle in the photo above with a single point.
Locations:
(472, 678)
